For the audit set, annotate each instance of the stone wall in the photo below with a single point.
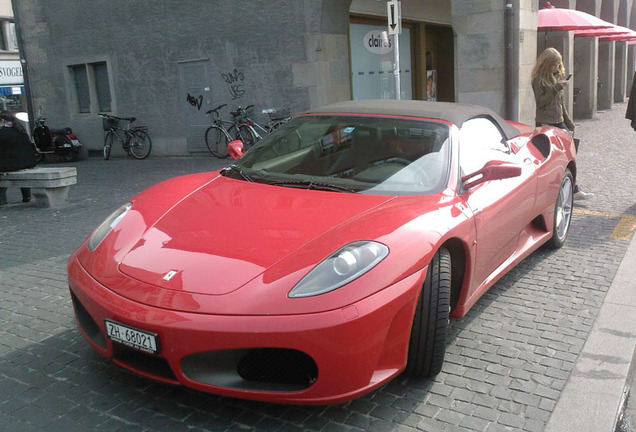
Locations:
(291, 54)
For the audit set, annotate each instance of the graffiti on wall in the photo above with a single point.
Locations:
(234, 80)
(195, 101)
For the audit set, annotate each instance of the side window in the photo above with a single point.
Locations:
(480, 140)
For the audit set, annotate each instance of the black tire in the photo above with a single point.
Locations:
(217, 141)
(427, 345)
(108, 144)
(562, 211)
(140, 144)
(67, 155)
(248, 137)
(70, 156)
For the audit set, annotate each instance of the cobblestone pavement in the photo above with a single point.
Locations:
(507, 361)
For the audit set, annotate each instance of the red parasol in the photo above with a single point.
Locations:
(612, 31)
(623, 34)
(557, 19)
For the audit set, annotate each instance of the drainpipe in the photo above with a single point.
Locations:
(23, 62)
(508, 66)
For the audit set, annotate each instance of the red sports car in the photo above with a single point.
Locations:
(327, 259)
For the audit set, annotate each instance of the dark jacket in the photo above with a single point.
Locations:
(16, 150)
(550, 105)
(631, 105)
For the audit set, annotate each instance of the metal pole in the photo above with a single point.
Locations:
(396, 65)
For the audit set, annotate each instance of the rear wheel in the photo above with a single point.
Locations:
(140, 144)
(562, 211)
(217, 141)
(248, 136)
(108, 144)
(427, 345)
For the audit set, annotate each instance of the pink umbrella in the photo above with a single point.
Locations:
(620, 38)
(626, 34)
(557, 19)
(612, 31)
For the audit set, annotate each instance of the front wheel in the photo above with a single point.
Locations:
(562, 211)
(427, 345)
(216, 140)
(108, 144)
(140, 144)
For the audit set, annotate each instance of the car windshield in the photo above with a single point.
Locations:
(348, 153)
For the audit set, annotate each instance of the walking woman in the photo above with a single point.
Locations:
(16, 150)
(548, 82)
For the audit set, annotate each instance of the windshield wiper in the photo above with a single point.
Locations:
(239, 171)
(311, 184)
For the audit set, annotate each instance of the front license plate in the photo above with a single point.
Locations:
(132, 337)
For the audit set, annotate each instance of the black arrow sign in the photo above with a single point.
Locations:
(393, 24)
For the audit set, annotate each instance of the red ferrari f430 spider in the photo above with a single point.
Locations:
(329, 258)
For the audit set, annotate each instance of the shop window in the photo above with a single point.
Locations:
(372, 58)
(91, 87)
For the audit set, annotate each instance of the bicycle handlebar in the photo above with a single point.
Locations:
(215, 110)
(240, 111)
(128, 119)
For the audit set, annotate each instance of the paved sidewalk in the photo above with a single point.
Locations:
(547, 348)
(596, 389)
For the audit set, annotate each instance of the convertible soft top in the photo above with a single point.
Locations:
(455, 113)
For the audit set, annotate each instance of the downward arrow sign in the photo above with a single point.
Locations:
(393, 24)
(394, 17)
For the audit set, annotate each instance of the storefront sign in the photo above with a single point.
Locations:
(11, 72)
(378, 42)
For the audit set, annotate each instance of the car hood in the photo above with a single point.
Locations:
(228, 232)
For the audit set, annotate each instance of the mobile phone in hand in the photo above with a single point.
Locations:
(568, 78)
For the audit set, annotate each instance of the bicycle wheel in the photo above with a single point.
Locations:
(216, 140)
(248, 136)
(276, 124)
(140, 144)
(108, 144)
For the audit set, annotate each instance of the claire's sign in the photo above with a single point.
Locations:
(378, 42)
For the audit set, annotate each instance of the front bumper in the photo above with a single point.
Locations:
(318, 358)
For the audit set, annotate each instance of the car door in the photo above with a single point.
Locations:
(501, 208)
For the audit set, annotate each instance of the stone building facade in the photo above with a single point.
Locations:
(167, 62)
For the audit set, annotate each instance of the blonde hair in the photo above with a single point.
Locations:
(543, 69)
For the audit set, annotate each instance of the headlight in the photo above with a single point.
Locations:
(102, 231)
(345, 265)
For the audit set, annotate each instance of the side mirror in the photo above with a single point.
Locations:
(235, 149)
(493, 170)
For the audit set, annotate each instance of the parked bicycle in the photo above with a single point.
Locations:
(253, 131)
(134, 140)
(218, 135)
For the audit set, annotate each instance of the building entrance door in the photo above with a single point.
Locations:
(195, 99)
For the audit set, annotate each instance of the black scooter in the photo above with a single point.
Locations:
(62, 142)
